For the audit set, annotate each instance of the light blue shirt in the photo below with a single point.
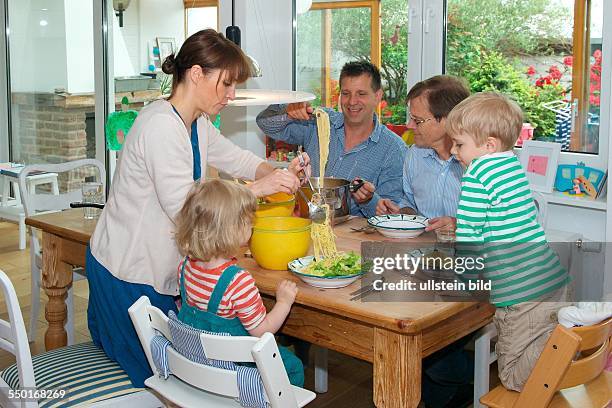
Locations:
(379, 159)
(431, 185)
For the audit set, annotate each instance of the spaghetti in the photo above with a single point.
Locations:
(324, 137)
(323, 240)
(322, 235)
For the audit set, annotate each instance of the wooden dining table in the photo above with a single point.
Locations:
(392, 335)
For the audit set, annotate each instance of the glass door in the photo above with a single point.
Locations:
(51, 80)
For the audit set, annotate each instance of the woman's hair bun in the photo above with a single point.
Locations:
(169, 65)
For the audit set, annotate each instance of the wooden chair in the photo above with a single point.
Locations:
(563, 378)
(197, 385)
(36, 203)
(90, 377)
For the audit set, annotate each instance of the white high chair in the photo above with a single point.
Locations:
(197, 385)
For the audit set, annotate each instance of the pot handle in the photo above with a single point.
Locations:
(82, 205)
(356, 186)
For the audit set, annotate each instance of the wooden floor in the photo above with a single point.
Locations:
(350, 380)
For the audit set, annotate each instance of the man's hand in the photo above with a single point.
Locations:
(299, 110)
(386, 206)
(364, 193)
(442, 222)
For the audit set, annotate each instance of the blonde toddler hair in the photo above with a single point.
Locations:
(216, 218)
(484, 115)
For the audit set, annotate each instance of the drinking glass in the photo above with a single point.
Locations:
(92, 193)
(445, 240)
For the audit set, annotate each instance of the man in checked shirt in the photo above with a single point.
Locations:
(359, 147)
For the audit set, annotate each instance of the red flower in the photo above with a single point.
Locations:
(568, 61)
(554, 72)
(597, 55)
(531, 70)
(594, 100)
(383, 105)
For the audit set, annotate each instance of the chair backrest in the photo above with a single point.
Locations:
(34, 202)
(262, 351)
(13, 337)
(570, 357)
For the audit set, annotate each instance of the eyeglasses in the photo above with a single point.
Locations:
(418, 122)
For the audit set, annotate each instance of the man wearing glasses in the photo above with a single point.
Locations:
(432, 176)
(432, 180)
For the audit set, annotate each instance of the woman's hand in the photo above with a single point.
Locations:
(442, 222)
(299, 110)
(296, 167)
(363, 193)
(277, 181)
(386, 206)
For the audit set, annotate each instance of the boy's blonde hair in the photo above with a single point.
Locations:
(487, 114)
(215, 219)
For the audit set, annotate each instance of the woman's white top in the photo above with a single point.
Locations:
(134, 236)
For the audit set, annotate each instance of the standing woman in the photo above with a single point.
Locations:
(132, 250)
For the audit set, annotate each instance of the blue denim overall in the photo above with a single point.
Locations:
(209, 320)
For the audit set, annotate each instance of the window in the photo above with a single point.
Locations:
(329, 35)
(200, 14)
(528, 50)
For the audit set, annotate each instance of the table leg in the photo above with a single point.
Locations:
(56, 277)
(397, 369)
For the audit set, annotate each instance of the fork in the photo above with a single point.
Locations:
(363, 292)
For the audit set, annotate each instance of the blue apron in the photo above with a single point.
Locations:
(209, 320)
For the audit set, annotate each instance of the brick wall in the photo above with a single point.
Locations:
(56, 128)
(50, 134)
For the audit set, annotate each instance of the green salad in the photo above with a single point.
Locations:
(341, 265)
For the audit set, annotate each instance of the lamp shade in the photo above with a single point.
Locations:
(302, 6)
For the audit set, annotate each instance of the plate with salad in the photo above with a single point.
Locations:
(336, 272)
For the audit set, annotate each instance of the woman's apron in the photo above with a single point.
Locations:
(209, 320)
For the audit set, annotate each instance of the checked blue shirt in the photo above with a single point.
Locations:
(431, 185)
(379, 159)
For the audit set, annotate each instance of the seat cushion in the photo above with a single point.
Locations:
(82, 369)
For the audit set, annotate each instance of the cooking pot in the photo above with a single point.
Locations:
(336, 192)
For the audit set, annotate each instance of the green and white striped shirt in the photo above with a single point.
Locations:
(497, 214)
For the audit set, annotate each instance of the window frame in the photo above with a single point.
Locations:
(375, 37)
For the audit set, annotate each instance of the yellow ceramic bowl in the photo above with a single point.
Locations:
(276, 241)
(276, 205)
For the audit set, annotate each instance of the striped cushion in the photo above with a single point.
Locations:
(82, 369)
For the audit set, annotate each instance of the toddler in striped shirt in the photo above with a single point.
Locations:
(217, 295)
(497, 214)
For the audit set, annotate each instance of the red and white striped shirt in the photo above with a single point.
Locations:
(241, 298)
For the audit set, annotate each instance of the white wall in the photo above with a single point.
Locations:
(159, 18)
(131, 34)
(266, 28)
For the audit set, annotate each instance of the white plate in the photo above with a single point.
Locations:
(299, 264)
(399, 225)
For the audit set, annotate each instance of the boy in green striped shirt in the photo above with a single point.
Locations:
(497, 215)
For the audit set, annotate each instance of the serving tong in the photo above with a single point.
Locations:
(316, 212)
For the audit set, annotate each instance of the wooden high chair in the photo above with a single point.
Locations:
(569, 373)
